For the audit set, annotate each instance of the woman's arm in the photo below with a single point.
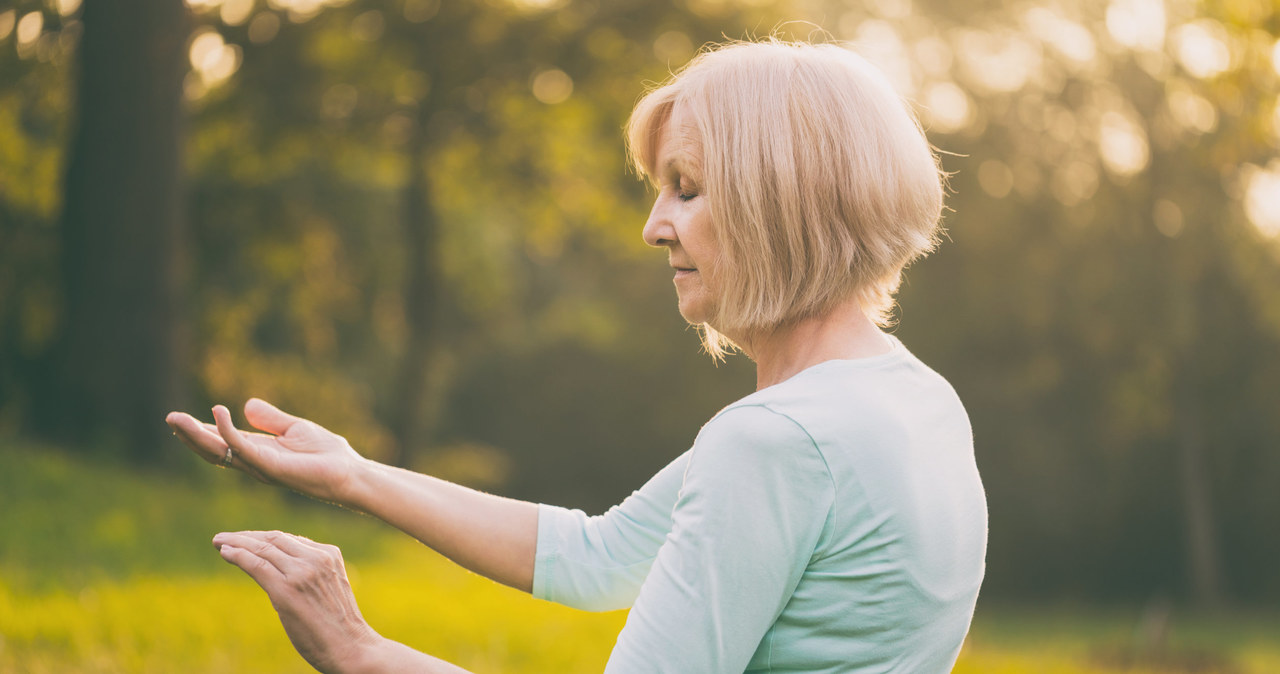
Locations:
(490, 535)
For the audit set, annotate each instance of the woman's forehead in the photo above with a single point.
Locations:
(679, 143)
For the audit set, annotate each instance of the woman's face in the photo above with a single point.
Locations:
(681, 217)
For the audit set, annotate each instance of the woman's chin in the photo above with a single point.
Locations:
(694, 312)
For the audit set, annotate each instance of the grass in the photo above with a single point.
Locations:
(105, 569)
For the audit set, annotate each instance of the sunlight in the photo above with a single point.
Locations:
(552, 86)
(1201, 48)
(30, 27)
(879, 42)
(934, 56)
(537, 5)
(7, 20)
(300, 11)
(1074, 182)
(673, 47)
(1191, 111)
(67, 7)
(212, 58)
(1167, 216)
(999, 62)
(1069, 38)
(1262, 197)
(1137, 24)
(1123, 144)
(236, 12)
(890, 9)
(948, 107)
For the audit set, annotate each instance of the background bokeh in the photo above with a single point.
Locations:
(411, 221)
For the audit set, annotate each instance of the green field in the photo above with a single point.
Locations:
(107, 570)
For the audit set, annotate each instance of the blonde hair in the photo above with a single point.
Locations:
(821, 184)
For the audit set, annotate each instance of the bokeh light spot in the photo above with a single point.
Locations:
(948, 107)
(1067, 37)
(29, 28)
(934, 56)
(368, 26)
(1137, 24)
(1201, 47)
(236, 12)
(1074, 182)
(1262, 197)
(998, 62)
(339, 101)
(890, 9)
(673, 47)
(879, 42)
(1123, 144)
(995, 178)
(264, 27)
(552, 86)
(67, 7)
(1192, 111)
(1167, 217)
(7, 21)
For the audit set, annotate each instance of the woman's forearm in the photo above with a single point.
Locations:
(491, 535)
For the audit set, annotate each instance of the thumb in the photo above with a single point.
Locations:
(265, 416)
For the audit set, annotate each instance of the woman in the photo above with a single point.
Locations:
(831, 521)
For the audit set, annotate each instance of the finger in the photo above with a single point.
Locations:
(262, 414)
(266, 575)
(204, 442)
(213, 428)
(243, 450)
(266, 545)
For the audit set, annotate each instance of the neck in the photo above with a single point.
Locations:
(843, 334)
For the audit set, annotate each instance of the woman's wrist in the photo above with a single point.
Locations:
(356, 483)
(381, 655)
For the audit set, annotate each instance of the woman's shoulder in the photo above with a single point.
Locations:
(849, 403)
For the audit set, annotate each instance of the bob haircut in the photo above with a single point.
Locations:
(821, 184)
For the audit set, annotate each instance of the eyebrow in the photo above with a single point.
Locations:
(680, 162)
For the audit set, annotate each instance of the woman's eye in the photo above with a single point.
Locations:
(686, 195)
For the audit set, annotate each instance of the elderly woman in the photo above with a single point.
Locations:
(831, 521)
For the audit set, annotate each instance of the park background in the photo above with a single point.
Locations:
(412, 221)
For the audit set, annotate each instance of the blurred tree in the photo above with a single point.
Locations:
(114, 370)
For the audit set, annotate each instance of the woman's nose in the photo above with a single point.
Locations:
(658, 230)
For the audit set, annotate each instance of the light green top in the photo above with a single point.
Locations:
(834, 522)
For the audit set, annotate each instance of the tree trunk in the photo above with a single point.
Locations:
(114, 372)
(412, 421)
(1190, 436)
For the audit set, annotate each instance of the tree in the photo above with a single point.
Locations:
(115, 369)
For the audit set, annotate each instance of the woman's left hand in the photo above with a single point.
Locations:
(307, 584)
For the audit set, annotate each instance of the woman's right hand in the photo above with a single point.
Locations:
(293, 452)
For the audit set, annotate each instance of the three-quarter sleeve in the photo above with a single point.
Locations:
(599, 563)
(755, 498)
